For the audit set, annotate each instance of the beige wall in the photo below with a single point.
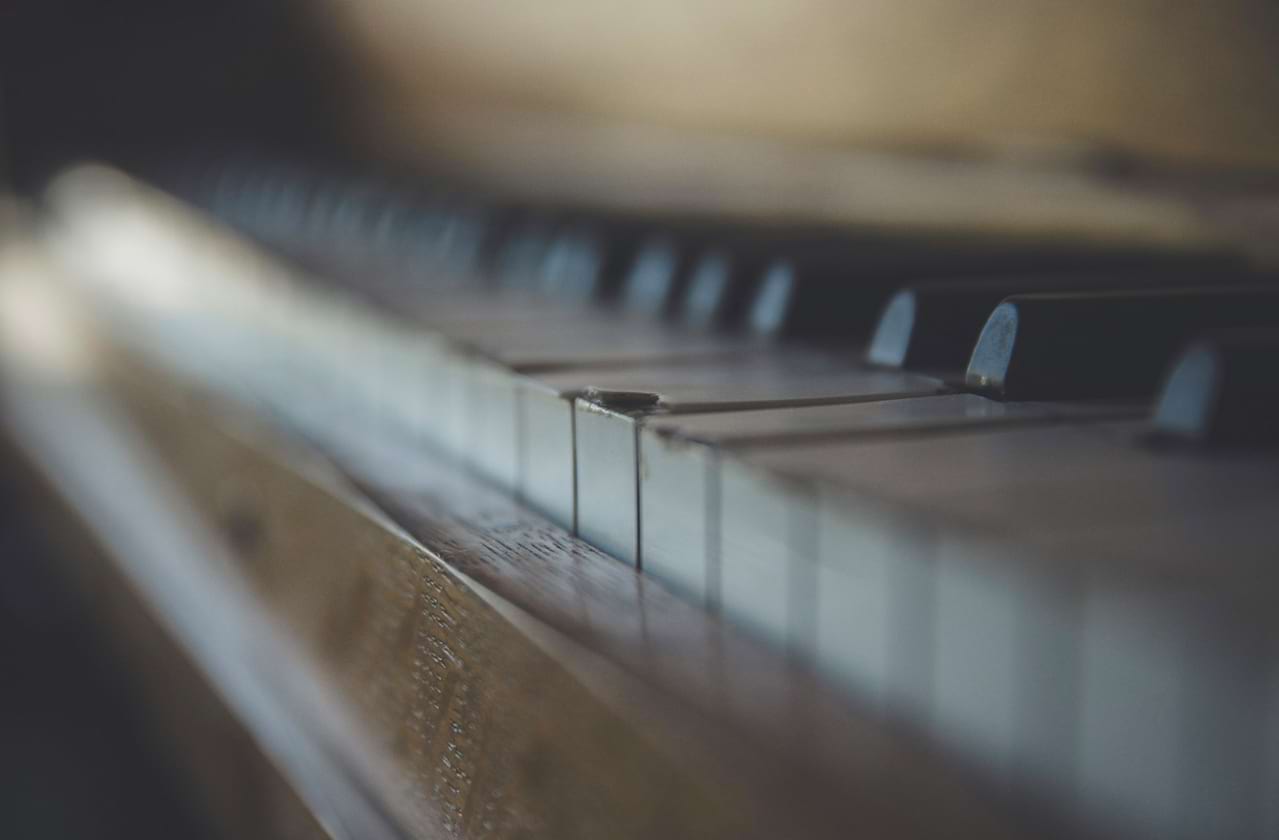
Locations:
(1192, 81)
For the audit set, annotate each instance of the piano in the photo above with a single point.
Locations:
(627, 427)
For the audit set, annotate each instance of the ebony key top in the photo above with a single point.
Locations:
(933, 326)
(1223, 391)
(590, 261)
(518, 260)
(662, 269)
(654, 277)
(720, 288)
(1103, 345)
(837, 290)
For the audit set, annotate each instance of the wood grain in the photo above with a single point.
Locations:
(459, 664)
(652, 721)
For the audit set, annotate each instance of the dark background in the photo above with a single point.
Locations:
(76, 760)
(146, 84)
(150, 86)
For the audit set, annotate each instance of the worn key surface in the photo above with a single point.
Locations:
(1109, 344)
(679, 456)
(933, 326)
(1222, 391)
(976, 582)
(606, 424)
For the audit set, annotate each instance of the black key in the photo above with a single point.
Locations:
(1102, 345)
(460, 237)
(820, 299)
(933, 326)
(1223, 391)
(572, 264)
(720, 287)
(653, 276)
(664, 265)
(518, 259)
(837, 290)
(590, 262)
(436, 243)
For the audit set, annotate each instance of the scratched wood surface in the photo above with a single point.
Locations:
(468, 707)
(578, 700)
(493, 677)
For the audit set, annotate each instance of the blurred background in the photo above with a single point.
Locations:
(143, 83)
(78, 759)
(1093, 119)
(146, 84)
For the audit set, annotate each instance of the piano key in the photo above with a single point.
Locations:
(1102, 345)
(788, 479)
(530, 330)
(1170, 701)
(518, 262)
(600, 340)
(458, 250)
(533, 330)
(454, 242)
(982, 584)
(1223, 391)
(607, 423)
(656, 277)
(678, 483)
(836, 288)
(476, 381)
(588, 262)
(604, 348)
(661, 274)
(829, 298)
(989, 636)
(323, 219)
(970, 474)
(485, 228)
(1218, 654)
(459, 310)
(476, 408)
(544, 422)
(1010, 529)
(578, 270)
(521, 430)
(570, 267)
(934, 326)
(721, 288)
(513, 335)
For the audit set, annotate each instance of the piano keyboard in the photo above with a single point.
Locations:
(1016, 496)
